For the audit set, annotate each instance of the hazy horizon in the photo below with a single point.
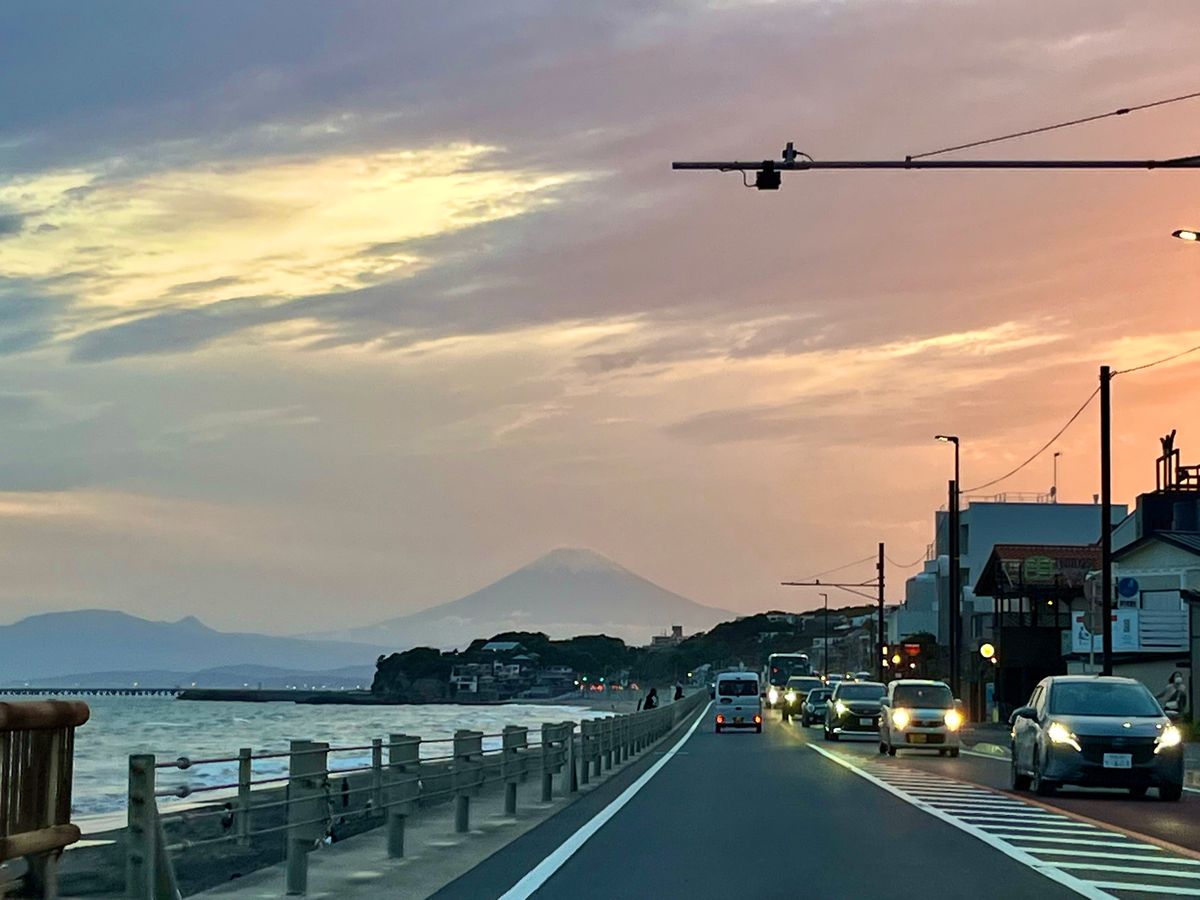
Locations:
(316, 312)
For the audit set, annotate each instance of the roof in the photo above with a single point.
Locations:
(1074, 679)
(1184, 540)
(1019, 569)
(502, 646)
(738, 675)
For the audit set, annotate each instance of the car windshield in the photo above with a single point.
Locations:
(819, 695)
(861, 691)
(737, 687)
(803, 684)
(1099, 698)
(923, 696)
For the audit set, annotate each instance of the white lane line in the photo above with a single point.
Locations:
(1036, 829)
(1024, 820)
(1158, 872)
(1123, 842)
(1173, 890)
(1109, 854)
(1016, 853)
(540, 874)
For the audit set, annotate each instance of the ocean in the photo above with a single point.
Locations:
(171, 728)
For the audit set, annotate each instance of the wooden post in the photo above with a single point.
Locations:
(404, 761)
(569, 783)
(512, 764)
(245, 776)
(306, 809)
(377, 776)
(468, 748)
(142, 833)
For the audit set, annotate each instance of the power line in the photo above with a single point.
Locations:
(1041, 449)
(1125, 110)
(1158, 362)
(920, 559)
(857, 562)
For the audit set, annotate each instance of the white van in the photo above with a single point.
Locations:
(738, 701)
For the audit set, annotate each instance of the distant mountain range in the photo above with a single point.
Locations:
(565, 593)
(104, 641)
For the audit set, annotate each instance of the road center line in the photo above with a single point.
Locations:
(1016, 853)
(540, 874)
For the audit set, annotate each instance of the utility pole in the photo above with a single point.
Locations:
(955, 588)
(825, 662)
(1106, 513)
(1054, 486)
(882, 637)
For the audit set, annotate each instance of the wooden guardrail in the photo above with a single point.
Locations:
(37, 751)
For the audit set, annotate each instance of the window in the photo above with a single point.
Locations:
(737, 687)
(923, 696)
(1084, 698)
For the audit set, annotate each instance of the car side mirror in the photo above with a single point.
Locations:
(1173, 715)
(1022, 712)
(958, 704)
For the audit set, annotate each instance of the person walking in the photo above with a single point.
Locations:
(678, 692)
(1174, 696)
(651, 700)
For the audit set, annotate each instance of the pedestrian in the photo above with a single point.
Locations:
(1174, 697)
(227, 818)
(678, 692)
(651, 699)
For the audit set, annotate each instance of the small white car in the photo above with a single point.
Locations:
(919, 715)
(738, 702)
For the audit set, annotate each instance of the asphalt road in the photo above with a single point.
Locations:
(748, 815)
(1177, 823)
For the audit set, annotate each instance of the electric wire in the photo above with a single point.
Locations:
(1125, 110)
(916, 562)
(1046, 446)
(1157, 362)
(857, 562)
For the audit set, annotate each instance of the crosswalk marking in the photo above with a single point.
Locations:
(1086, 857)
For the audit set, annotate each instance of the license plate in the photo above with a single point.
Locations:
(916, 738)
(738, 721)
(866, 721)
(1118, 760)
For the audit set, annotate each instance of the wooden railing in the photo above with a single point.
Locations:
(37, 746)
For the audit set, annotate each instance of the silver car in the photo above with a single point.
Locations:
(1096, 731)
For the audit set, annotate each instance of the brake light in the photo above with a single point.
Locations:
(758, 720)
(720, 719)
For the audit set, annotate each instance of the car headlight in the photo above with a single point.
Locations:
(772, 696)
(840, 708)
(790, 696)
(1169, 737)
(901, 718)
(1060, 734)
(954, 719)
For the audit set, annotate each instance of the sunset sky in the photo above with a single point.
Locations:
(320, 313)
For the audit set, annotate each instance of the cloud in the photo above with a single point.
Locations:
(10, 224)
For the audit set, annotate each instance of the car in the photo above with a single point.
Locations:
(863, 676)
(919, 714)
(1097, 731)
(833, 679)
(813, 709)
(738, 702)
(794, 692)
(853, 709)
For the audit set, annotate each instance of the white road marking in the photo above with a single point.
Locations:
(1109, 854)
(1077, 885)
(1128, 870)
(1089, 842)
(540, 874)
(1174, 890)
(1053, 844)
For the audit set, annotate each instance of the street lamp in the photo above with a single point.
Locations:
(1054, 486)
(955, 588)
(825, 663)
(1186, 234)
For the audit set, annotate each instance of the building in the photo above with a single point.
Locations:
(668, 640)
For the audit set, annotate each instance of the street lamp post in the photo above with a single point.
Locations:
(1054, 486)
(825, 662)
(952, 528)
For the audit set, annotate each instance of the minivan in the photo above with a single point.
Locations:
(738, 701)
